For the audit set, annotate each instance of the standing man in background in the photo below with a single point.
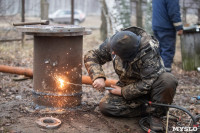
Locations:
(166, 22)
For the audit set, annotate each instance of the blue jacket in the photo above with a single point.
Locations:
(166, 15)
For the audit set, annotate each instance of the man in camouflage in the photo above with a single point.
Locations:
(141, 72)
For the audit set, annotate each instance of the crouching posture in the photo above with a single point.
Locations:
(141, 72)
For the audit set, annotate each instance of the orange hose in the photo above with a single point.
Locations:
(29, 73)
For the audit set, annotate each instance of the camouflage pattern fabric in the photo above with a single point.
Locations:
(163, 91)
(112, 105)
(136, 79)
(140, 74)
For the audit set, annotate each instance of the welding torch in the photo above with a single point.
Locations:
(109, 88)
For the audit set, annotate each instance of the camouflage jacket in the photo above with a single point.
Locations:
(139, 75)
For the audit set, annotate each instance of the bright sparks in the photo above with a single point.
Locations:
(61, 82)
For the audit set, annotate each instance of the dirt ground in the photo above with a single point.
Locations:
(18, 113)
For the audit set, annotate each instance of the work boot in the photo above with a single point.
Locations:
(156, 124)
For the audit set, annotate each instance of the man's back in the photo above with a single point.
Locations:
(166, 14)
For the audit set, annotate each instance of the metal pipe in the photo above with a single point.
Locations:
(16, 70)
(57, 64)
(42, 22)
(23, 20)
(72, 12)
(87, 80)
(29, 73)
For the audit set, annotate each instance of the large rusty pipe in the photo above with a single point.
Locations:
(29, 73)
(57, 60)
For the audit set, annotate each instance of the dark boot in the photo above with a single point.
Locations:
(155, 118)
(156, 124)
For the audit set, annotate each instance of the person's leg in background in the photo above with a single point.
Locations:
(167, 41)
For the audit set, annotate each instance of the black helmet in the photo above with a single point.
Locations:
(125, 44)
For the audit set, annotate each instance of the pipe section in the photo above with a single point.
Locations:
(29, 73)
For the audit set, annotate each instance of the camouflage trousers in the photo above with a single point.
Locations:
(163, 91)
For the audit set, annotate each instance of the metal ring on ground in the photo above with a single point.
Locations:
(48, 122)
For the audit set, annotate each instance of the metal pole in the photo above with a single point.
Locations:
(23, 20)
(44, 9)
(139, 13)
(72, 12)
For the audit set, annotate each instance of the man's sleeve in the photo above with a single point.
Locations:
(94, 59)
(173, 9)
(150, 67)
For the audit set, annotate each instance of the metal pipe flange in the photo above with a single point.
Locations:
(48, 122)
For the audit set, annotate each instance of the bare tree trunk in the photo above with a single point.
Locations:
(104, 19)
(199, 12)
(184, 13)
(117, 15)
(148, 17)
(139, 13)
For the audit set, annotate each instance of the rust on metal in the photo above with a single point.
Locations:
(57, 61)
(57, 57)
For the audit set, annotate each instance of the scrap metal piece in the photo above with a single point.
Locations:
(42, 22)
(53, 30)
(57, 52)
(48, 122)
(20, 78)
